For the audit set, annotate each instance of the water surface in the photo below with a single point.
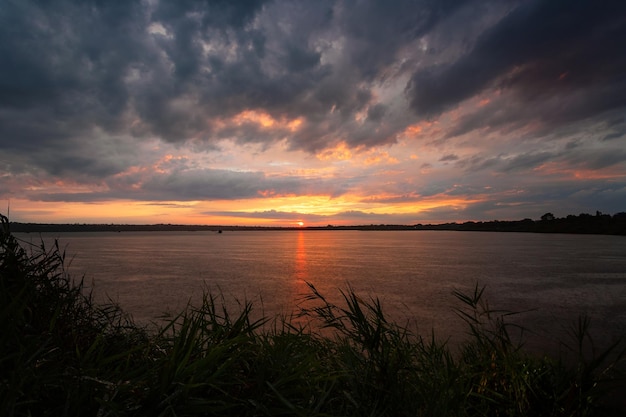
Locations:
(413, 272)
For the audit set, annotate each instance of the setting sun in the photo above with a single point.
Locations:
(300, 224)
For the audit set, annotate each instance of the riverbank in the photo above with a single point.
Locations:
(580, 224)
(63, 354)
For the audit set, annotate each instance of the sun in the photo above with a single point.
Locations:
(300, 224)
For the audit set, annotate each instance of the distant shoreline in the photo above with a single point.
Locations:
(581, 224)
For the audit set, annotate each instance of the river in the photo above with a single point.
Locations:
(553, 277)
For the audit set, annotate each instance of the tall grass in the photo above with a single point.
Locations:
(63, 355)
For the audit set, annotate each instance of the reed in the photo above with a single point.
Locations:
(61, 354)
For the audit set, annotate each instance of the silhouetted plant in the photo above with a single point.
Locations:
(63, 355)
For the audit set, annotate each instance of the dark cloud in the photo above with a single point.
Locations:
(168, 69)
(502, 115)
(557, 50)
(578, 157)
(596, 159)
(192, 185)
(64, 65)
(524, 161)
(376, 30)
(212, 185)
(479, 162)
(449, 157)
(376, 112)
(613, 136)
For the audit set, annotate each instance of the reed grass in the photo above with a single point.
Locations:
(61, 354)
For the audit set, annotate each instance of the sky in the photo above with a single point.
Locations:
(342, 112)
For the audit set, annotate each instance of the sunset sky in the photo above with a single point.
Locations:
(321, 112)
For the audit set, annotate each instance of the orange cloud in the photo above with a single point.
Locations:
(417, 129)
(377, 157)
(563, 170)
(265, 120)
(598, 175)
(161, 166)
(413, 130)
(253, 116)
(325, 172)
(271, 193)
(340, 152)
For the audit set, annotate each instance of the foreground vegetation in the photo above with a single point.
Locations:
(63, 355)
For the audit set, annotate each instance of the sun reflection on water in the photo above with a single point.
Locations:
(301, 270)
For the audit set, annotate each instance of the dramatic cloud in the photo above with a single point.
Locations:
(408, 110)
(540, 50)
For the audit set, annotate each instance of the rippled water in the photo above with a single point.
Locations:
(413, 272)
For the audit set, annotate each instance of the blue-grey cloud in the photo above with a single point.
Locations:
(449, 157)
(540, 49)
(193, 184)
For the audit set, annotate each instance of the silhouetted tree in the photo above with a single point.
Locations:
(547, 217)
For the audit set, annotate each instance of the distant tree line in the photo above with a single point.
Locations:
(583, 224)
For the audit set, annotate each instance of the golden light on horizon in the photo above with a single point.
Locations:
(115, 211)
(283, 211)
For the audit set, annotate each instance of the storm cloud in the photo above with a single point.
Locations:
(99, 94)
